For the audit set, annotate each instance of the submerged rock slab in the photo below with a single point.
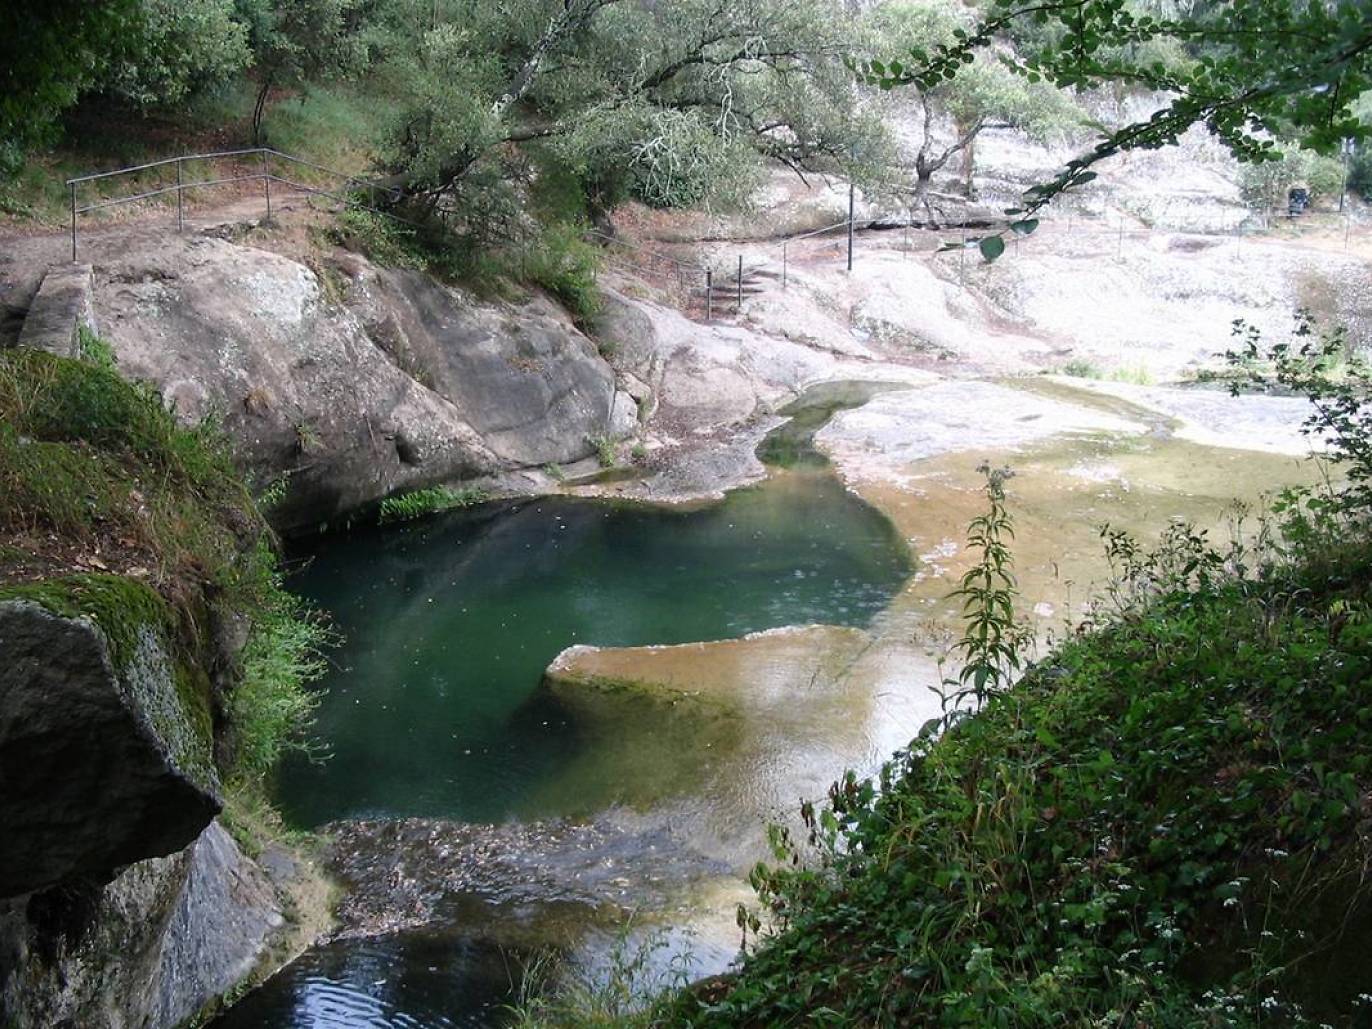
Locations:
(896, 429)
(105, 758)
(762, 670)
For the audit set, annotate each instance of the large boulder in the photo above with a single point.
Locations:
(525, 378)
(105, 741)
(255, 339)
(352, 381)
(149, 950)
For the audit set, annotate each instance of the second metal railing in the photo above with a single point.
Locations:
(268, 171)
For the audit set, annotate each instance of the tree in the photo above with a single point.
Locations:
(980, 93)
(1267, 182)
(181, 47)
(672, 103)
(1262, 69)
(49, 53)
(295, 42)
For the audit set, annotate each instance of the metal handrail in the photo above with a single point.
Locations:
(696, 266)
(265, 176)
(163, 162)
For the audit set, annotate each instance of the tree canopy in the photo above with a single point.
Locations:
(1253, 71)
(980, 93)
(670, 103)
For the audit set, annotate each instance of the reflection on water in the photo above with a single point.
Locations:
(414, 980)
(435, 707)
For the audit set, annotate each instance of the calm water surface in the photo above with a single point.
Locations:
(435, 706)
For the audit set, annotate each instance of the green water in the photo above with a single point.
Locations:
(435, 706)
(792, 445)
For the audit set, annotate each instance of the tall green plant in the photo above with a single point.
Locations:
(992, 642)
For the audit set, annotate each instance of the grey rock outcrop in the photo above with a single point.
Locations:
(147, 951)
(531, 385)
(100, 766)
(354, 382)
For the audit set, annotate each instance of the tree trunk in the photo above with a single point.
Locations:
(260, 109)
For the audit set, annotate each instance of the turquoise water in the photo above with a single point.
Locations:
(435, 705)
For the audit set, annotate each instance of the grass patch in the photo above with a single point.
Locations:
(1079, 369)
(419, 503)
(563, 262)
(1139, 375)
(96, 473)
(604, 448)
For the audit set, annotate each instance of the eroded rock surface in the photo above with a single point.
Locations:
(354, 382)
(100, 766)
(150, 949)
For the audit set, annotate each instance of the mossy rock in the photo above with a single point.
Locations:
(106, 748)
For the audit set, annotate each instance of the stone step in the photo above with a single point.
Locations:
(63, 304)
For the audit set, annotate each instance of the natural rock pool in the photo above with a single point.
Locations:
(439, 721)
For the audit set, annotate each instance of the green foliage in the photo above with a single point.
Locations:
(418, 503)
(1260, 67)
(1080, 369)
(566, 264)
(1360, 173)
(296, 43)
(671, 103)
(272, 707)
(981, 89)
(1325, 368)
(180, 48)
(388, 242)
(630, 993)
(604, 448)
(662, 157)
(1181, 784)
(49, 54)
(1267, 183)
(95, 350)
(992, 642)
(93, 463)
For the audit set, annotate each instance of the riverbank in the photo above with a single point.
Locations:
(154, 671)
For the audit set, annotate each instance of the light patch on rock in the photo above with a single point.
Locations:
(896, 429)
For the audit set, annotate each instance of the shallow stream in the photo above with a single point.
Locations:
(476, 819)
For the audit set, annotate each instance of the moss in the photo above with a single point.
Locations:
(120, 606)
(93, 467)
(140, 631)
(60, 400)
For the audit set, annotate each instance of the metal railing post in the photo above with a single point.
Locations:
(73, 222)
(850, 225)
(267, 183)
(738, 309)
(709, 294)
(180, 214)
